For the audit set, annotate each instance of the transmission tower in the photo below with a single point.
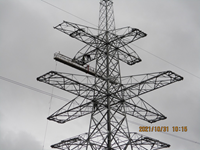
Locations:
(104, 93)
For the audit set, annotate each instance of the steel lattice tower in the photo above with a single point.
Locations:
(103, 93)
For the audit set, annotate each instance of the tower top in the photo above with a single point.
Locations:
(106, 16)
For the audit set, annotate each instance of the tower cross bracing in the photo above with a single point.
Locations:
(104, 93)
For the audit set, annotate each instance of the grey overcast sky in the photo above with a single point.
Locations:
(28, 42)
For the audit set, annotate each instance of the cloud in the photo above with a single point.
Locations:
(20, 141)
(10, 140)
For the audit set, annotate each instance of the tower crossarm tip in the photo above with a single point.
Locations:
(128, 55)
(80, 32)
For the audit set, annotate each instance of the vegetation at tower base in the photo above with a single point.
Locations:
(104, 93)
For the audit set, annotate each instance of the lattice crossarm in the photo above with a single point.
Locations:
(128, 55)
(72, 110)
(88, 53)
(76, 108)
(143, 142)
(69, 84)
(79, 142)
(75, 143)
(126, 35)
(79, 32)
(140, 109)
(141, 84)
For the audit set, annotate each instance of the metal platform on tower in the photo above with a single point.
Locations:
(85, 68)
(71, 62)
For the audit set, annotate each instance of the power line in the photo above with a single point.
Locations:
(45, 134)
(34, 89)
(167, 62)
(64, 99)
(68, 12)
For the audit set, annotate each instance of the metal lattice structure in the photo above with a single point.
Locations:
(103, 93)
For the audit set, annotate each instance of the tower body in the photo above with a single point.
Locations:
(105, 94)
(105, 127)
